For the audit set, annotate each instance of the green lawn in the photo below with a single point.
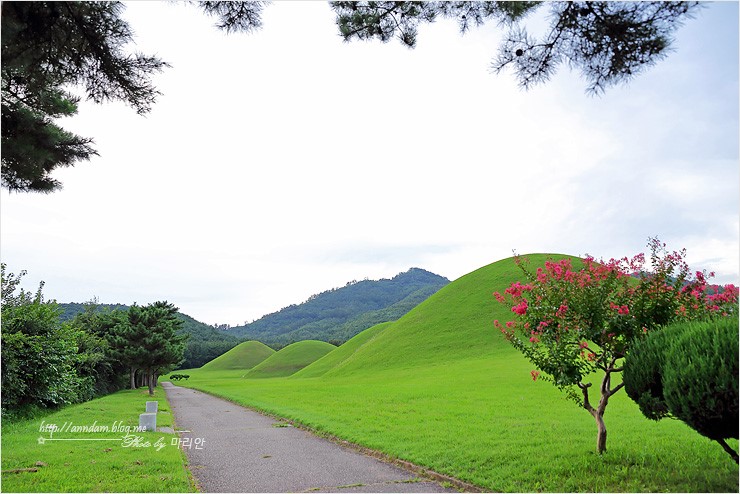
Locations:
(486, 422)
(86, 465)
(290, 359)
(442, 388)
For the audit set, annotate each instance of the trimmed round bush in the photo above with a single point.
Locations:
(643, 368)
(700, 377)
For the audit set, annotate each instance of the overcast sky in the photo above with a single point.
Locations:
(286, 162)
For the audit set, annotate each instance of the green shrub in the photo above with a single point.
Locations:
(642, 373)
(701, 378)
(689, 371)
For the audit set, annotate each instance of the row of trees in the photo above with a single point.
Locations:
(204, 342)
(47, 363)
(573, 319)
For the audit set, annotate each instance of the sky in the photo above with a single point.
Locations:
(286, 162)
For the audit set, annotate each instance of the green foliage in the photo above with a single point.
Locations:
(341, 313)
(204, 342)
(701, 378)
(153, 342)
(643, 371)
(39, 353)
(48, 47)
(689, 371)
(609, 42)
(48, 363)
(70, 310)
(99, 348)
(34, 146)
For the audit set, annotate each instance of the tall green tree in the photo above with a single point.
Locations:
(47, 49)
(152, 342)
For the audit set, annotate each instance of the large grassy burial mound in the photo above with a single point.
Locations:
(337, 357)
(455, 324)
(243, 357)
(291, 359)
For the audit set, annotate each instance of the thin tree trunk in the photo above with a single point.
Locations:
(729, 450)
(600, 434)
(133, 378)
(598, 413)
(150, 381)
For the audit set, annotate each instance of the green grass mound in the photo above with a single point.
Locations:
(456, 323)
(243, 356)
(291, 359)
(337, 357)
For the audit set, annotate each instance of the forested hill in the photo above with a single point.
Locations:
(204, 342)
(339, 314)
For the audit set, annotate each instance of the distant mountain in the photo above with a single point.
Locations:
(337, 315)
(204, 344)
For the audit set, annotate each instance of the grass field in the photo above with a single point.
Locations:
(337, 357)
(94, 461)
(441, 388)
(290, 359)
(243, 356)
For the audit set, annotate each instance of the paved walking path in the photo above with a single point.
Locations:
(242, 451)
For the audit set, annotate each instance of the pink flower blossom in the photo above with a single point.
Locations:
(520, 309)
(535, 374)
(516, 289)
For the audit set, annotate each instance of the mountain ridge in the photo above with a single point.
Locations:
(338, 314)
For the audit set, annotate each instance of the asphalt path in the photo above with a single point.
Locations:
(231, 448)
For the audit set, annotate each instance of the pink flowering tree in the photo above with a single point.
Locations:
(572, 319)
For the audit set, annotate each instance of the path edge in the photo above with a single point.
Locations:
(458, 484)
(186, 460)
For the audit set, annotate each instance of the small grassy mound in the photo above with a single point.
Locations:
(243, 356)
(336, 358)
(291, 359)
